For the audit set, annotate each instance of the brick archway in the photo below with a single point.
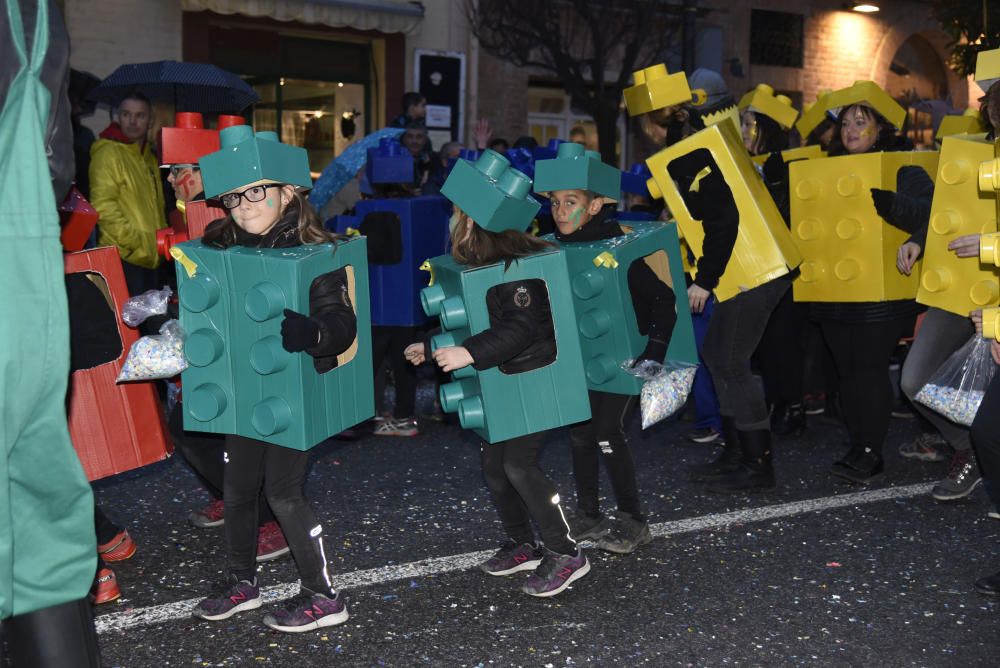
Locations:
(897, 35)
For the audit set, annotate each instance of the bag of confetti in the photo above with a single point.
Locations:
(665, 389)
(146, 305)
(956, 389)
(154, 357)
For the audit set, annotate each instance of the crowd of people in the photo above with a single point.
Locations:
(768, 360)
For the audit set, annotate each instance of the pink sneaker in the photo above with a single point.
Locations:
(212, 515)
(271, 543)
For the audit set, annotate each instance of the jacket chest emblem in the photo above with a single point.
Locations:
(522, 298)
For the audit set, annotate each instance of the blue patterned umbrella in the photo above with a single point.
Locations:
(346, 165)
(190, 86)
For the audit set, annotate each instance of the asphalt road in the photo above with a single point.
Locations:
(817, 573)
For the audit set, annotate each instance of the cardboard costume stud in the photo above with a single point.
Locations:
(495, 405)
(969, 122)
(114, 427)
(653, 88)
(247, 157)
(575, 168)
(869, 94)
(492, 193)
(987, 68)
(959, 285)
(423, 233)
(240, 379)
(762, 100)
(389, 163)
(606, 325)
(763, 249)
(849, 251)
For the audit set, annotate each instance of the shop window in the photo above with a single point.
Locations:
(776, 38)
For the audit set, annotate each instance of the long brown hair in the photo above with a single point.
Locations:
(481, 247)
(307, 222)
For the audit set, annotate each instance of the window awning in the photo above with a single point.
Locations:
(387, 16)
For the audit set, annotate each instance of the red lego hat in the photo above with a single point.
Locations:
(188, 141)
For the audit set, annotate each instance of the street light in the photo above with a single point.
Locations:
(865, 7)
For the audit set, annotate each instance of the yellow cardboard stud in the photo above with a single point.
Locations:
(655, 89)
(987, 68)
(870, 94)
(764, 249)
(762, 100)
(849, 251)
(948, 282)
(968, 122)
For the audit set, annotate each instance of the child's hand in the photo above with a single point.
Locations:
(414, 354)
(452, 358)
(977, 320)
(697, 296)
(995, 351)
(298, 332)
(906, 256)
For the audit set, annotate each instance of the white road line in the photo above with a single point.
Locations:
(158, 614)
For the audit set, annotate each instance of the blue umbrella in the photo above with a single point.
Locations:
(346, 165)
(190, 86)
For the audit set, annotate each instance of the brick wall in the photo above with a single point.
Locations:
(503, 97)
(110, 33)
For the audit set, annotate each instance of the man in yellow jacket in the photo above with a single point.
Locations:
(125, 189)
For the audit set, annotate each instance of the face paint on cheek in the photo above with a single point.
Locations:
(270, 203)
(868, 132)
(184, 186)
(575, 217)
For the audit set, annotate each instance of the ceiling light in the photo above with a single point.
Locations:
(865, 7)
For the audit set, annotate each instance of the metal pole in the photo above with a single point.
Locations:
(688, 17)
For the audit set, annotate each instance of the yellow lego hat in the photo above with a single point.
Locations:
(968, 122)
(812, 114)
(654, 89)
(762, 100)
(870, 94)
(987, 68)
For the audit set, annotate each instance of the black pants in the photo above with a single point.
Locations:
(604, 435)
(862, 352)
(781, 354)
(733, 335)
(985, 434)
(251, 465)
(388, 344)
(522, 492)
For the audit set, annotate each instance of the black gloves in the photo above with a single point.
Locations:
(775, 168)
(298, 332)
(884, 201)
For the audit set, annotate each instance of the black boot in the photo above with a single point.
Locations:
(755, 470)
(791, 423)
(727, 461)
(861, 465)
(61, 636)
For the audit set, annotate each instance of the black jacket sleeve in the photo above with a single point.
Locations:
(655, 309)
(522, 308)
(330, 308)
(911, 208)
(710, 200)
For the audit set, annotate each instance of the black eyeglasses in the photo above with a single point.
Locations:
(177, 169)
(252, 194)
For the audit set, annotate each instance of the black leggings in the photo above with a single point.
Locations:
(985, 435)
(522, 492)
(205, 454)
(388, 344)
(862, 352)
(251, 464)
(605, 434)
(781, 354)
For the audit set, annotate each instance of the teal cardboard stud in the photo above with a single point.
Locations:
(606, 321)
(496, 405)
(492, 193)
(575, 168)
(246, 157)
(240, 380)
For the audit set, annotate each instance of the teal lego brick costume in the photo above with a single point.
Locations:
(575, 168)
(495, 405)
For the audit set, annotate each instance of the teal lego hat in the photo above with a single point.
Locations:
(575, 168)
(246, 157)
(494, 194)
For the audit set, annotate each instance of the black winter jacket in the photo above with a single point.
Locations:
(521, 336)
(653, 301)
(329, 301)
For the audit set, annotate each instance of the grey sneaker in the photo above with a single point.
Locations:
(963, 477)
(397, 427)
(232, 597)
(585, 527)
(625, 535)
(926, 447)
(513, 558)
(556, 572)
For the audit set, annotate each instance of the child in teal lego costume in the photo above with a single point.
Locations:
(521, 338)
(580, 187)
(258, 186)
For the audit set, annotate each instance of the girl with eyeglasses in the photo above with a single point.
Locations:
(265, 214)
